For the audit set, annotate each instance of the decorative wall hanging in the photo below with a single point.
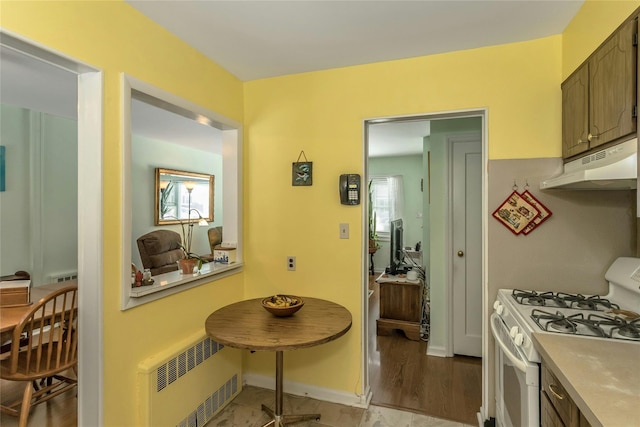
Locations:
(515, 213)
(521, 212)
(543, 212)
(302, 172)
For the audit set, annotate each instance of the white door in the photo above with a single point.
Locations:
(467, 246)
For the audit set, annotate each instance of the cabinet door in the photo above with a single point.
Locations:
(575, 113)
(548, 415)
(558, 397)
(400, 301)
(612, 87)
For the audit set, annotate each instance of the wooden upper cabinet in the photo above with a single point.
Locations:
(599, 98)
(575, 113)
(612, 89)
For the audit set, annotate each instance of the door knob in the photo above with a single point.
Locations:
(460, 254)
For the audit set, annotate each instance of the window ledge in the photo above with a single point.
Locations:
(174, 281)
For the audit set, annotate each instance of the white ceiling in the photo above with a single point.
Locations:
(258, 39)
(401, 138)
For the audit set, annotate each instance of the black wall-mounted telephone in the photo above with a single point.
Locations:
(350, 189)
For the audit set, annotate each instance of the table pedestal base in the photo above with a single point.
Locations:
(278, 419)
(283, 420)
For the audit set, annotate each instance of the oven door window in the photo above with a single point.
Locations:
(517, 384)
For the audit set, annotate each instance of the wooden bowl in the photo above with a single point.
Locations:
(282, 305)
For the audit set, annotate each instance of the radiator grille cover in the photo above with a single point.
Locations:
(189, 384)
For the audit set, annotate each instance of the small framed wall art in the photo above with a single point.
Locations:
(302, 172)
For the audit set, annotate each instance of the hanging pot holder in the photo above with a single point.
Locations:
(543, 212)
(516, 213)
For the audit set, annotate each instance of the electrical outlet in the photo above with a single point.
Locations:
(291, 263)
(344, 231)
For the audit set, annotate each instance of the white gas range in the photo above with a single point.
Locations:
(519, 313)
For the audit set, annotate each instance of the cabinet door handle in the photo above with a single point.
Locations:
(580, 141)
(554, 392)
(591, 136)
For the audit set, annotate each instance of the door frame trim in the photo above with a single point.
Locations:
(90, 219)
(483, 113)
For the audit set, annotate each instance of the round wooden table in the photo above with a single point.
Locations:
(247, 325)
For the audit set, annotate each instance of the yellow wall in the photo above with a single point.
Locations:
(116, 38)
(321, 113)
(595, 21)
(518, 82)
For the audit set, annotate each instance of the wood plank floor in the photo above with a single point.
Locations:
(61, 411)
(402, 376)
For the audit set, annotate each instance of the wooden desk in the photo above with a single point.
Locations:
(10, 316)
(247, 325)
(400, 306)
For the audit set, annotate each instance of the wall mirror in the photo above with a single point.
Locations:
(181, 195)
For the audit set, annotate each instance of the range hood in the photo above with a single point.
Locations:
(613, 168)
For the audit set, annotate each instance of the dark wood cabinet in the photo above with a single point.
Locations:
(400, 308)
(548, 415)
(612, 90)
(575, 113)
(599, 98)
(557, 409)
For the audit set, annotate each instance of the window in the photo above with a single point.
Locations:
(387, 200)
(147, 153)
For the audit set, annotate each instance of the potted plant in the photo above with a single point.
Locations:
(189, 259)
(166, 188)
(373, 236)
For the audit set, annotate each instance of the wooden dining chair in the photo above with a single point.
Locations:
(44, 348)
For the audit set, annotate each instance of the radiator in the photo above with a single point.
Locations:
(62, 277)
(188, 384)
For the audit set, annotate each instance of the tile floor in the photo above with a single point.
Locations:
(244, 411)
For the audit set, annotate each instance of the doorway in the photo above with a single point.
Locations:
(438, 256)
(90, 130)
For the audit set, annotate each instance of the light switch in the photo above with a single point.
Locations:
(344, 231)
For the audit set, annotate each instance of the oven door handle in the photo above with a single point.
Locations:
(514, 358)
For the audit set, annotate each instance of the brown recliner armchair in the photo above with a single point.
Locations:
(215, 238)
(160, 250)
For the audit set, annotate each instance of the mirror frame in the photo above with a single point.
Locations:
(199, 176)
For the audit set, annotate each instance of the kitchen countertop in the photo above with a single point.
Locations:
(601, 376)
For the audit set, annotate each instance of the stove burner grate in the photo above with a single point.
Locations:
(560, 323)
(625, 329)
(593, 303)
(562, 300)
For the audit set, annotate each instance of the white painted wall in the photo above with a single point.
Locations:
(146, 155)
(14, 201)
(38, 219)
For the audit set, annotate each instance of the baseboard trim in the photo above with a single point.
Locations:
(306, 390)
(438, 351)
